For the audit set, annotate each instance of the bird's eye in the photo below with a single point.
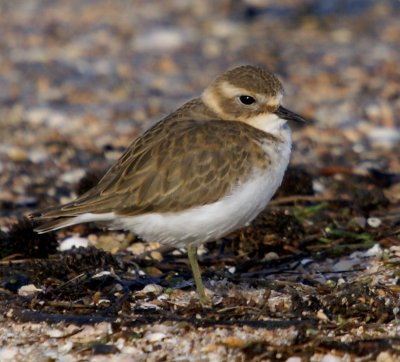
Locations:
(247, 100)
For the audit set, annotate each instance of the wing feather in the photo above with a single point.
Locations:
(178, 164)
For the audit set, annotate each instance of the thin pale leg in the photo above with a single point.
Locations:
(192, 254)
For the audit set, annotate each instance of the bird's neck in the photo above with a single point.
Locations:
(195, 109)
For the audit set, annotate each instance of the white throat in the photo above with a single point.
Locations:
(270, 123)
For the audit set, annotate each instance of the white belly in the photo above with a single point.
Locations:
(212, 221)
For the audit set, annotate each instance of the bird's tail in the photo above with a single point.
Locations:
(63, 216)
(55, 224)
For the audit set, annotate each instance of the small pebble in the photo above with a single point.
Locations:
(65, 348)
(318, 186)
(234, 342)
(155, 337)
(153, 288)
(341, 281)
(73, 176)
(202, 250)
(149, 306)
(156, 255)
(374, 222)
(153, 271)
(136, 248)
(73, 241)
(108, 243)
(271, 256)
(160, 39)
(101, 274)
(17, 154)
(103, 303)
(331, 358)
(93, 238)
(376, 250)
(163, 297)
(55, 333)
(27, 290)
(322, 316)
(37, 156)
(294, 359)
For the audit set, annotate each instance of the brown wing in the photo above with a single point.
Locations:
(177, 164)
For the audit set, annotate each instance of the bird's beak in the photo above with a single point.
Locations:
(284, 113)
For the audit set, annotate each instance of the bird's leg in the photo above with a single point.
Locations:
(192, 254)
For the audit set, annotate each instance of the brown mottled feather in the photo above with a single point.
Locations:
(260, 81)
(182, 162)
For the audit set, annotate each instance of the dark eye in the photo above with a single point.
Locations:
(247, 100)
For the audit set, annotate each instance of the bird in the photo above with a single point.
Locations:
(200, 173)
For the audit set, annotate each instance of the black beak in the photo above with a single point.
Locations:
(284, 113)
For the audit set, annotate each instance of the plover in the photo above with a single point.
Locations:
(200, 173)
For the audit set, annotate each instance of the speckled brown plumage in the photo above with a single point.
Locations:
(182, 162)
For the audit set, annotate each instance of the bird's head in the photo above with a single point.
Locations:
(251, 95)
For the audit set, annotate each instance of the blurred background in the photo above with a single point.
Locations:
(80, 79)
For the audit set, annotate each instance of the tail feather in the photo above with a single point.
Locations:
(55, 224)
